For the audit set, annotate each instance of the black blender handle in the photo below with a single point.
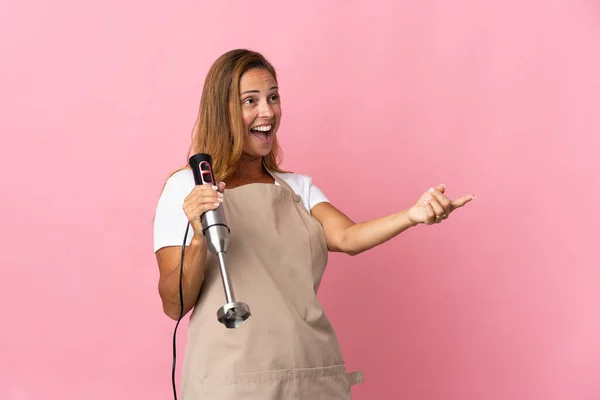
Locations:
(201, 165)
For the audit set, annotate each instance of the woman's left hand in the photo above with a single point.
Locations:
(433, 206)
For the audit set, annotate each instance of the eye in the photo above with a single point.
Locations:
(249, 100)
(275, 97)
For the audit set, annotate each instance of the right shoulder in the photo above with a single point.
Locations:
(181, 181)
(170, 220)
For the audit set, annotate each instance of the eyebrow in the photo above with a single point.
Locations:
(258, 91)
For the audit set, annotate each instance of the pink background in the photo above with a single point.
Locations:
(497, 98)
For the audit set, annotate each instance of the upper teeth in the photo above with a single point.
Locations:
(262, 128)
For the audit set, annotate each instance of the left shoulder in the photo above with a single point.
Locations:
(303, 186)
(294, 177)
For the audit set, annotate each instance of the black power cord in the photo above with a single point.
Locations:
(180, 313)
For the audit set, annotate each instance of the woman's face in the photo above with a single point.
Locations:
(261, 111)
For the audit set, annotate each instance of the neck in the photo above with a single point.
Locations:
(250, 167)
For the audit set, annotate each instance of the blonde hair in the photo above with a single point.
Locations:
(219, 129)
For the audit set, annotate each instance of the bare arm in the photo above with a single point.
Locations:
(169, 259)
(201, 199)
(344, 235)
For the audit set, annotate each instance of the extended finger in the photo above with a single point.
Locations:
(461, 201)
(442, 200)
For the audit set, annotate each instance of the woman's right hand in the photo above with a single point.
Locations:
(201, 199)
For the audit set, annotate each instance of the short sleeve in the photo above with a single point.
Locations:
(315, 195)
(170, 221)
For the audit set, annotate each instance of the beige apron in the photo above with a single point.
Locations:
(287, 349)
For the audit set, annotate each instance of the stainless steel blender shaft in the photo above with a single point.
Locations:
(233, 313)
(216, 232)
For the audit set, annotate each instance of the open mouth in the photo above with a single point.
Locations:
(262, 133)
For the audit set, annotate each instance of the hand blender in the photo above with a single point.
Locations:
(216, 232)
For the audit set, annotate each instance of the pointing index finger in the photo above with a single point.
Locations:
(461, 201)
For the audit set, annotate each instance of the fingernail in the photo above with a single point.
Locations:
(220, 199)
(431, 190)
(219, 194)
(215, 188)
(443, 185)
(474, 196)
(217, 204)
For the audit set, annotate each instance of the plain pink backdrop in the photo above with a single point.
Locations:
(496, 98)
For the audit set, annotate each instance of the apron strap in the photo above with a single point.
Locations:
(284, 184)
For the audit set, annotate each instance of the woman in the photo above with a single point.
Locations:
(282, 227)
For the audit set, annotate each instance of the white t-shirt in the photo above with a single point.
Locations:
(170, 220)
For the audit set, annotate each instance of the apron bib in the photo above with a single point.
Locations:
(287, 349)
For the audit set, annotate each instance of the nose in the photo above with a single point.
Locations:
(265, 110)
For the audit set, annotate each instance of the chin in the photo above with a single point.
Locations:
(264, 152)
(259, 148)
(258, 153)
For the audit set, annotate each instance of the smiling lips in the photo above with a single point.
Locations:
(262, 133)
